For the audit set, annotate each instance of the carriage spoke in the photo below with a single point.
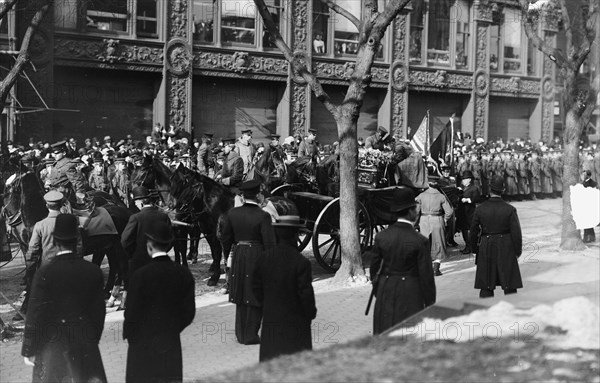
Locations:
(328, 250)
(326, 242)
(334, 254)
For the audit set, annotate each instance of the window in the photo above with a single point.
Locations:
(236, 21)
(135, 18)
(510, 50)
(327, 24)
(513, 54)
(495, 45)
(531, 59)
(447, 41)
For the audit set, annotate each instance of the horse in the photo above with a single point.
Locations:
(200, 199)
(270, 168)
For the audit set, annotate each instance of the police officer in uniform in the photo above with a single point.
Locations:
(232, 173)
(249, 228)
(98, 179)
(308, 147)
(205, 155)
(58, 179)
(375, 141)
(246, 150)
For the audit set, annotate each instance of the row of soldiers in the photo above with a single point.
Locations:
(527, 174)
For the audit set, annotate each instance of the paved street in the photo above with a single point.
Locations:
(209, 344)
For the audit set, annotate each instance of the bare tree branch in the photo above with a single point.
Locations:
(5, 7)
(23, 57)
(296, 61)
(566, 19)
(389, 13)
(343, 12)
(554, 54)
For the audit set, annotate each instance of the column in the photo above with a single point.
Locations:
(550, 28)
(480, 97)
(299, 92)
(398, 89)
(177, 71)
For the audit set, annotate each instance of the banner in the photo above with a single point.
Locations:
(419, 140)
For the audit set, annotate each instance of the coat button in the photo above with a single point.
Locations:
(403, 278)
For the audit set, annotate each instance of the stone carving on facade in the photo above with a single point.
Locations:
(480, 116)
(552, 16)
(482, 42)
(547, 88)
(177, 101)
(299, 109)
(240, 62)
(39, 48)
(300, 59)
(399, 102)
(480, 79)
(484, 10)
(179, 19)
(300, 12)
(254, 64)
(343, 71)
(93, 50)
(179, 57)
(399, 76)
(547, 120)
(109, 54)
(439, 79)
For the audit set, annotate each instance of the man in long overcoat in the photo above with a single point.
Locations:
(133, 238)
(402, 257)
(471, 196)
(283, 284)
(66, 314)
(249, 228)
(160, 305)
(434, 213)
(496, 240)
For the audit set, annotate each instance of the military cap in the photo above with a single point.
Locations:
(289, 221)
(209, 134)
(120, 158)
(53, 197)
(120, 143)
(247, 131)
(250, 187)
(275, 136)
(98, 160)
(228, 141)
(313, 131)
(383, 130)
(48, 160)
(59, 146)
(107, 138)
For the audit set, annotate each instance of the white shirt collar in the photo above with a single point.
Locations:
(402, 220)
(250, 202)
(64, 252)
(159, 254)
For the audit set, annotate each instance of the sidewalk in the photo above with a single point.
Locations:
(209, 345)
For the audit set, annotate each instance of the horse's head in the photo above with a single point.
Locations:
(25, 194)
(186, 193)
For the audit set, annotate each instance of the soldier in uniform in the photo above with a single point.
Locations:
(546, 173)
(535, 169)
(496, 240)
(120, 182)
(98, 179)
(434, 213)
(523, 175)
(475, 167)
(308, 147)
(232, 173)
(249, 228)
(557, 171)
(45, 172)
(205, 154)
(511, 174)
(375, 141)
(246, 150)
(58, 178)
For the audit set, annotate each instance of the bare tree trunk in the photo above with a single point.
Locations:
(9, 81)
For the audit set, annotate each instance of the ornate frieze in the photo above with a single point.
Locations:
(177, 100)
(481, 78)
(300, 11)
(398, 75)
(515, 86)
(179, 19)
(299, 102)
(108, 51)
(240, 62)
(439, 79)
(484, 10)
(179, 57)
(343, 71)
(301, 46)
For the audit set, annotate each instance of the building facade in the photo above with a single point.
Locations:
(115, 67)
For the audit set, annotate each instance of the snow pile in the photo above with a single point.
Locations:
(569, 323)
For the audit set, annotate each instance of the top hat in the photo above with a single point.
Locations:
(497, 184)
(250, 187)
(160, 232)
(289, 221)
(402, 199)
(468, 174)
(247, 131)
(140, 192)
(66, 227)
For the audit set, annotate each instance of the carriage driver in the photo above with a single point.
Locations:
(232, 173)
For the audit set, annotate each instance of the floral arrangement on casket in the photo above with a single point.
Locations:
(368, 165)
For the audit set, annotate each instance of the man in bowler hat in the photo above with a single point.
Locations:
(249, 228)
(497, 242)
(66, 313)
(402, 258)
(160, 305)
(283, 285)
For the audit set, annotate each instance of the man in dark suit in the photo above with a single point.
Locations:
(586, 177)
(160, 305)
(470, 198)
(133, 238)
(283, 284)
(249, 228)
(66, 313)
(402, 258)
(497, 242)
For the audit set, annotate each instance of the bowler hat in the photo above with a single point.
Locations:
(402, 199)
(66, 227)
(289, 221)
(468, 174)
(250, 187)
(160, 232)
(497, 184)
(140, 192)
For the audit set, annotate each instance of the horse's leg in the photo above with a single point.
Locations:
(194, 242)
(216, 253)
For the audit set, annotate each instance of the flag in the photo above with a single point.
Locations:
(441, 135)
(419, 140)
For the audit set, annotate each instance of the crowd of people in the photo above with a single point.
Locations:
(270, 281)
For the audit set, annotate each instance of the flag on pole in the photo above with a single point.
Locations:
(441, 146)
(420, 138)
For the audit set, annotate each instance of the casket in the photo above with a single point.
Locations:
(368, 176)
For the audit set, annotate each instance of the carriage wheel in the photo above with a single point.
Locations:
(327, 248)
(376, 229)
(304, 236)
(284, 190)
